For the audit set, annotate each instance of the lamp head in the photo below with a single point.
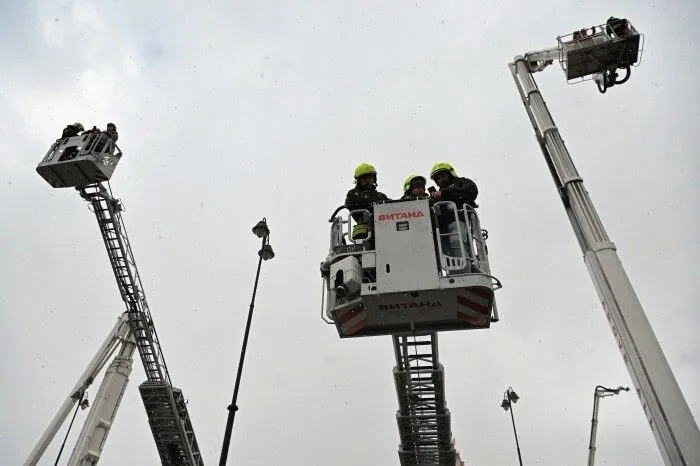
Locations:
(512, 396)
(505, 404)
(260, 229)
(266, 252)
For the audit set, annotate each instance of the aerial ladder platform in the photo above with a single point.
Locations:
(86, 162)
(598, 53)
(403, 281)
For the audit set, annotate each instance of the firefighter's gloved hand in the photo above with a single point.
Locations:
(360, 231)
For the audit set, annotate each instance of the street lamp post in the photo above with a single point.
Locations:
(510, 397)
(599, 393)
(265, 253)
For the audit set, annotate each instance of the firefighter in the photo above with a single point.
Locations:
(108, 137)
(616, 27)
(453, 188)
(363, 196)
(413, 187)
(72, 130)
(461, 191)
(112, 132)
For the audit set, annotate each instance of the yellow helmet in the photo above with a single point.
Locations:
(410, 180)
(364, 169)
(441, 167)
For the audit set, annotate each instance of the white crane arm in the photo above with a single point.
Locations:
(93, 435)
(669, 416)
(118, 334)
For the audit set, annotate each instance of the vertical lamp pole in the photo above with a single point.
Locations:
(599, 393)
(510, 397)
(265, 253)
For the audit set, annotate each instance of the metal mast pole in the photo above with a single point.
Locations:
(594, 429)
(233, 407)
(262, 231)
(515, 432)
(599, 393)
(509, 398)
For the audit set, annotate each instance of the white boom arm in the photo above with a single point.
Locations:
(671, 421)
(104, 408)
(119, 334)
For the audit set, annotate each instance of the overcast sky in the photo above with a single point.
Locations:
(228, 113)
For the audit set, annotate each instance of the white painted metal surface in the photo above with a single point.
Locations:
(96, 427)
(670, 419)
(117, 335)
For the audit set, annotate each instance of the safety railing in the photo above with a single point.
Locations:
(468, 254)
(589, 51)
(342, 244)
(342, 227)
(95, 144)
(353, 223)
(446, 213)
(471, 253)
(477, 240)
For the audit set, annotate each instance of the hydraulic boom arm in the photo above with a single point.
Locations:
(670, 418)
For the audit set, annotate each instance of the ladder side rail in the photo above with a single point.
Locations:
(669, 416)
(148, 343)
(141, 296)
(116, 249)
(93, 435)
(422, 419)
(118, 333)
(127, 276)
(168, 417)
(190, 443)
(188, 431)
